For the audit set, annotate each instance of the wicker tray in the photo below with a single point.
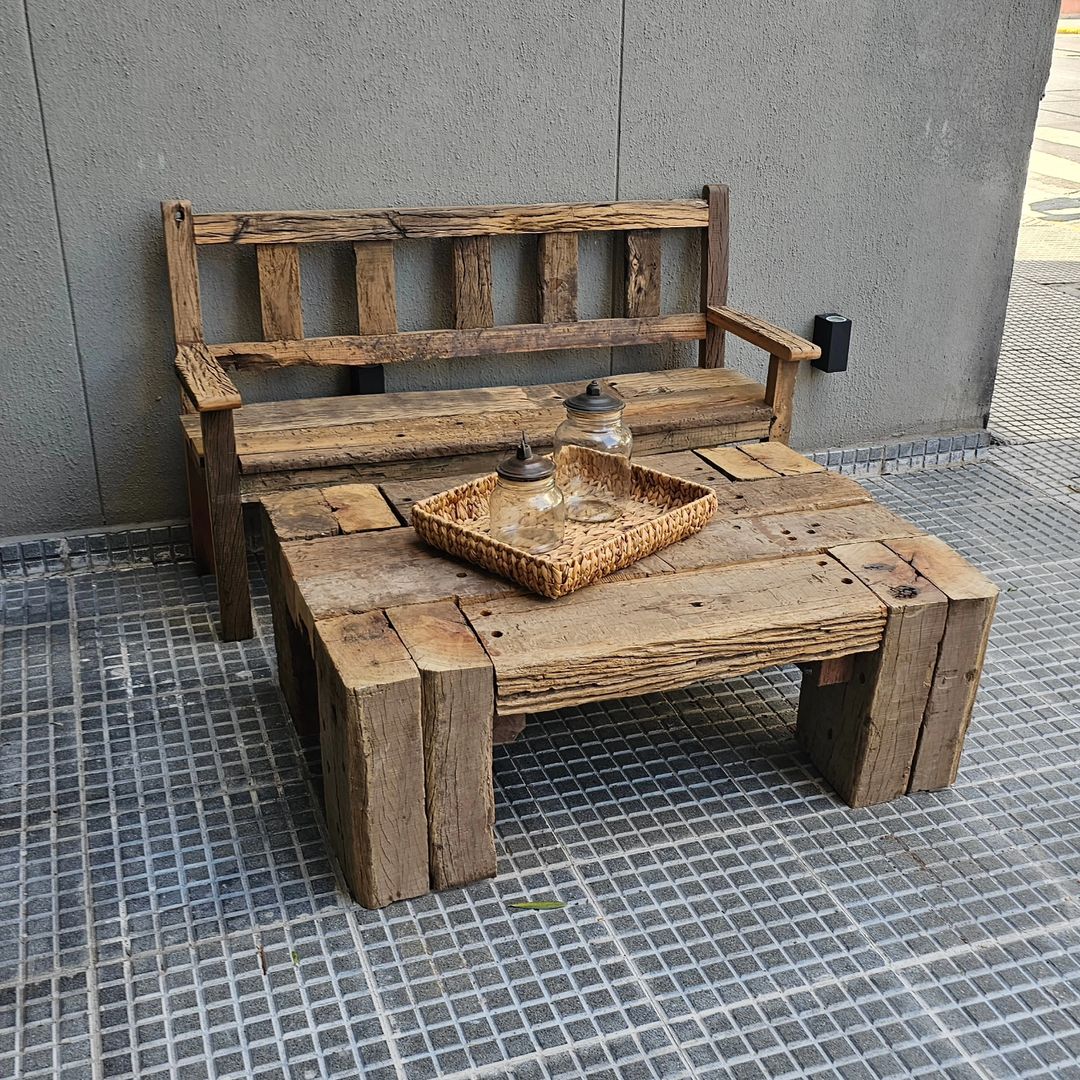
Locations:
(661, 510)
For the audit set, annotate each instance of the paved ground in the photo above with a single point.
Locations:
(167, 907)
(1037, 395)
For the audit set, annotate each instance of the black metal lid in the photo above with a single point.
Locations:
(523, 464)
(595, 400)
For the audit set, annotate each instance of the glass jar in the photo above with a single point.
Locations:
(592, 455)
(526, 509)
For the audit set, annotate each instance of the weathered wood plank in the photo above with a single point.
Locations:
(557, 274)
(458, 691)
(642, 273)
(376, 288)
(448, 344)
(204, 381)
(404, 494)
(624, 637)
(181, 262)
(780, 396)
(341, 575)
(773, 339)
(862, 734)
(781, 459)
(731, 461)
(300, 515)
(972, 602)
(226, 524)
(279, 291)
(312, 226)
(471, 279)
(789, 494)
(373, 758)
(727, 540)
(359, 508)
(714, 270)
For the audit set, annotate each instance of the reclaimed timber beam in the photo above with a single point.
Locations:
(557, 274)
(714, 270)
(471, 279)
(447, 344)
(312, 226)
(863, 733)
(642, 273)
(279, 291)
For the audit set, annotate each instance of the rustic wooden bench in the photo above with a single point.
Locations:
(409, 664)
(233, 453)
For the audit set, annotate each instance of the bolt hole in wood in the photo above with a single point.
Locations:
(485, 613)
(823, 562)
(847, 581)
(496, 633)
(697, 603)
(462, 573)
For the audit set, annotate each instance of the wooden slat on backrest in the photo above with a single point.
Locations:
(279, 291)
(472, 282)
(642, 273)
(313, 226)
(557, 271)
(376, 290)
(714, 271)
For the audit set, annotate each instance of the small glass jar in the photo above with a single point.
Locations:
(526, 509)
(592, 455)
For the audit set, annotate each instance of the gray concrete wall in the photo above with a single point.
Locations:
(876, 155)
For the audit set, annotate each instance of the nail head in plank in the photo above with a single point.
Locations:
(557, 255)
(279, 291)
(642, 273)
(472, 282)
(458, 692)
(373, 758)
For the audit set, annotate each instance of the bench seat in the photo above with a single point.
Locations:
(423, 433)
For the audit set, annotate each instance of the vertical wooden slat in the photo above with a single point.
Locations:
(376, 291)
(472, 282)
(176, 216)
(227, 523)
(279, 291)
(558, 276)
(642, 273)
(714, 271)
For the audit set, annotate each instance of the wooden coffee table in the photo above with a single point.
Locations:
(409, 664)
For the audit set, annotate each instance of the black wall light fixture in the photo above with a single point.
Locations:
(832, 333)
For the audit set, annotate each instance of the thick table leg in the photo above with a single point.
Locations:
(373, 757)
(458, 683)
(863, 733)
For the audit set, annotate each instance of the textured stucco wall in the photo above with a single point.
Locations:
(876, 155)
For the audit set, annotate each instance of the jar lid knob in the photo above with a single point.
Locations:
(595, 399)
(523, 464)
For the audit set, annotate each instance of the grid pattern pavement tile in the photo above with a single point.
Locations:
(168, 907)
(1051, 467)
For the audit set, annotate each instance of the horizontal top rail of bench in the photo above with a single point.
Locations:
(315, 226)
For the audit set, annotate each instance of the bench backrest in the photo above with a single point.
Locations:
(373, 235)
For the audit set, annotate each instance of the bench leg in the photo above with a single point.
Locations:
(458, 692)
(202, 543)
(372, 757)
(227, 524)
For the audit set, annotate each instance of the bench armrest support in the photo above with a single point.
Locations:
(204, 379)
(774, 340)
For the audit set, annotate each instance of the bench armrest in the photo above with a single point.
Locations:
(204, 379)
(776, 342)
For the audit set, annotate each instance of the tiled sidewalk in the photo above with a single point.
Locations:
(169, 909)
